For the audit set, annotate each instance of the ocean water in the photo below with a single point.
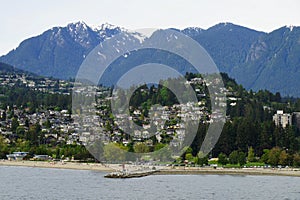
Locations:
(38, 184)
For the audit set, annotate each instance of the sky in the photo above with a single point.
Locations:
(21, 19)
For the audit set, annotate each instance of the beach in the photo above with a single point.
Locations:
(161, 170)
(232, 171)
(58, 165)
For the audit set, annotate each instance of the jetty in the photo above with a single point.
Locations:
(132, 171)
(136, 174)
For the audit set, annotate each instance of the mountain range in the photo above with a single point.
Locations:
(256, 59)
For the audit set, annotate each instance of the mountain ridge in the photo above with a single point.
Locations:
(256, 59)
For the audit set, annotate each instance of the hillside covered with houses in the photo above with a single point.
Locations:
(36, 117)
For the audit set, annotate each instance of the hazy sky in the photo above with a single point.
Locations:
(21, 19)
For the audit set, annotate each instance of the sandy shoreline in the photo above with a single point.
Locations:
(162, 170)
(233, 171)
(58, 165)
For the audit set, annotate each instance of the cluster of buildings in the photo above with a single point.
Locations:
(55, 125)
(60, 121)
(94, 122)
(286, 119)
(42, 84)
(162, 122)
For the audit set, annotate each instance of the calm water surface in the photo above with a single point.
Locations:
(38, 184)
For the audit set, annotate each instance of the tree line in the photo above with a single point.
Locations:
(24, 97)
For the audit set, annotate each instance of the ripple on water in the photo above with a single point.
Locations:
(37, 183)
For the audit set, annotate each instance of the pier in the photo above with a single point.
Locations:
(136, 174)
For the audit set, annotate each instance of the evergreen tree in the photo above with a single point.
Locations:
(251, 155)
(222, 159)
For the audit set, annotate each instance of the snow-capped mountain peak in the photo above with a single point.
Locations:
(104, 26)
(291, 27)
(192, 31)
(77, 26)
(106, 30)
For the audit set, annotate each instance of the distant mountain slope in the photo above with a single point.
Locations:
(273, 62)
(8, 69)
(257, 60)
(58, 52)
(228, 44)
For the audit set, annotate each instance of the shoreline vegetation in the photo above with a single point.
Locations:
(161, 170)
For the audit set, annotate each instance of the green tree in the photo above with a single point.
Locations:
(81, 153)
(33, 135)
(247, 134)
(202, 160)
(3, 147)
(14, 125)
(283, 158)
(266, 135)
(222, 159)
(273, 157)
(234, 157)
(226, 142)
(162, 152)
(113, 152)
(20, 131)
(97, 149)
(140, 147)
(22, 145)
(108, 126)
(251, 155)
(43, 150)
(265, 157)
(47, 124)
(242, 158)
(237, 157)
(296, 160)
(189, 157)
